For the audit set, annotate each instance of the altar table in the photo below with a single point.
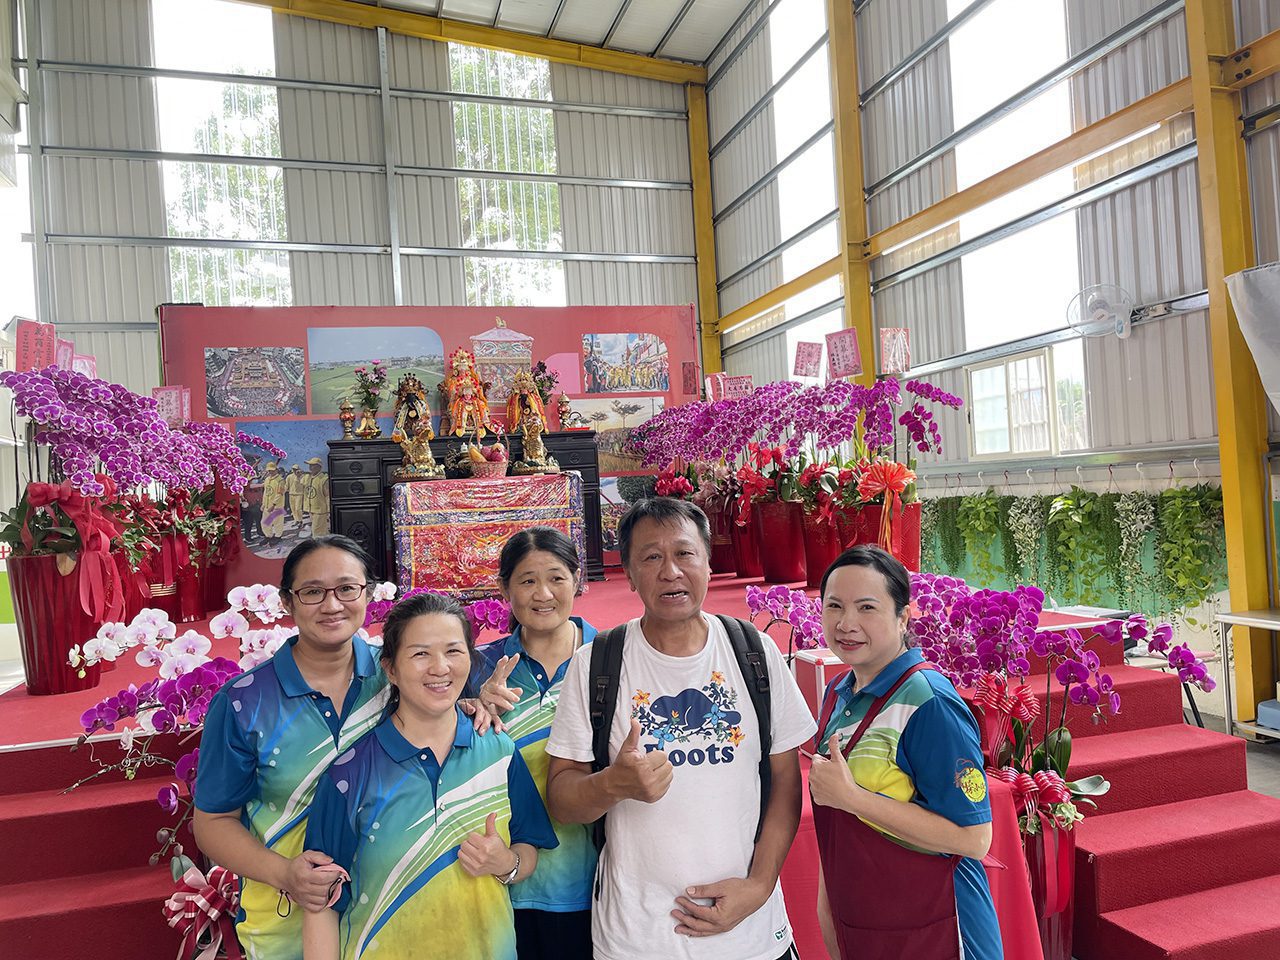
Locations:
(449, 533)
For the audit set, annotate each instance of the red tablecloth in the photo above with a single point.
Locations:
(449, 533)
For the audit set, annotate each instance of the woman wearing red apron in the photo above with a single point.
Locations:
(901, 815)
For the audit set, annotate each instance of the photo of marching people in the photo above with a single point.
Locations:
(625, 363)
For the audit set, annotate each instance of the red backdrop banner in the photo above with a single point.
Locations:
(279, 373)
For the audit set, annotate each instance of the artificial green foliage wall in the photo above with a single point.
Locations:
(1159, 553)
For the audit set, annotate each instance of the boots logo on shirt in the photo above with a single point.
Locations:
(706, 714)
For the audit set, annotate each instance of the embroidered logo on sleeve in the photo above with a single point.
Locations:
(971, 781)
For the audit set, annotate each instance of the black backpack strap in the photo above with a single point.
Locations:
(749, 649)
(602, 687)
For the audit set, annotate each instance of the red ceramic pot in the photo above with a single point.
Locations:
(821, 546)
(1051, 860)
(164, 596)
(856, 525)
(50, 621)
(190, 586)
(746, 552)
(214, 580)
(780, 530)
(721, 541)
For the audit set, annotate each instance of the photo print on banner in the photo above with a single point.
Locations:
(613, 420)
(625, 363)
(334, 353)
(276, 515)
(254, 381)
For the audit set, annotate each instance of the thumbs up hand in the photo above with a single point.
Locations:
(484, 854)
(830, 781)
(637, 775)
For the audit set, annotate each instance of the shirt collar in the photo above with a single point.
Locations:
(291, 680)
(514, 644)
(887, 677)
(399, 749)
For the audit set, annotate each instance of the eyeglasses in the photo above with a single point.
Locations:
(346, 592)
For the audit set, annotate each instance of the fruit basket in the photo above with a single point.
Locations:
(489, 470)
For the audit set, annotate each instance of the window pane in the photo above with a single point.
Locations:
(990, 410)
(511, 282)
(230, 278)
(1029, 401)
(1068, 373)
(202, 116)
(224, 201)
(213, 35)
(802, 104)
(509, 214)
(813, 331)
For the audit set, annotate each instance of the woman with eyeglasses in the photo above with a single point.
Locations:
(271, 733)
(431, 821)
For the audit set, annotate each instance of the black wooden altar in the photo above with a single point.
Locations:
(360, 489)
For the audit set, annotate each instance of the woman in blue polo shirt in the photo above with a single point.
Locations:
(519, 678)
(431, 821)
(272, 732)
(904, 820)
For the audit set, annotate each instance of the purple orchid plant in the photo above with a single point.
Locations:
(800, 612)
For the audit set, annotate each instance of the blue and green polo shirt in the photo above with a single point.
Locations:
(268, 736)
(563, 879)
(394, 817)
(924, 748)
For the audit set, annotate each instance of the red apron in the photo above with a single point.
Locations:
(887, 902)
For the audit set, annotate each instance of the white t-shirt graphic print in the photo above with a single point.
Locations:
(698, 710)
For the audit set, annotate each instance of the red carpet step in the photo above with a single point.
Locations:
(1239, 922)
(1148, 698)
(114, 915)
(1160, 765)
(1141, 856)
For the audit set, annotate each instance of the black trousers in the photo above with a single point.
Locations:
(543, 935)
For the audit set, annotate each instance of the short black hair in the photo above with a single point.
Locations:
(524, 542)
(308, 547)
(896, 578)
(661, 510)
(420, 605)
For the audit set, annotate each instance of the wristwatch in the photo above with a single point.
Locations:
(507, 879)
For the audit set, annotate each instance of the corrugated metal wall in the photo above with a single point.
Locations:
(630, 220)
(911, 114)
(329, 206)
(104, 283)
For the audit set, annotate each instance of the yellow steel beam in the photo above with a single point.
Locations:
(1252, 62)
(704, 231)
(1242, 427)
(434, 28)
(783, 293)
(855, 268)
(1161, 105)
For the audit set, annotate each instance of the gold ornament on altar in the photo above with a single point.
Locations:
(466, 406)
(347, 417)
(525, 413)
(412, 430)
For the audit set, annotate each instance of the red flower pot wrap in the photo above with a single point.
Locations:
(779, 525)
(50, 621)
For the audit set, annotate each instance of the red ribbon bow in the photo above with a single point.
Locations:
(101, 595)
(892, 479)
(201, 910)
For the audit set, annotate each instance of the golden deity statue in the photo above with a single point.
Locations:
(413, 432)
(464, 395)
(523, 401)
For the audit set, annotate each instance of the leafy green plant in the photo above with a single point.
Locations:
(951, 546)
(1135, 519)
(928, 534)
(1076, 548)
(1011, 562)
(1187, 545)
(51, 530)
(979, 521)
(1026, 521)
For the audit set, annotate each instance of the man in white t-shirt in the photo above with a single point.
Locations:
(681, 874)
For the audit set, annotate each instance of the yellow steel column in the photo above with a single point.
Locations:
(1242, 428)
(704, 233)
(855, 268)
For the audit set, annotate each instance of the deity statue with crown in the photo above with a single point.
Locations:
(464, 397)
(524, 401)
(413, 432)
